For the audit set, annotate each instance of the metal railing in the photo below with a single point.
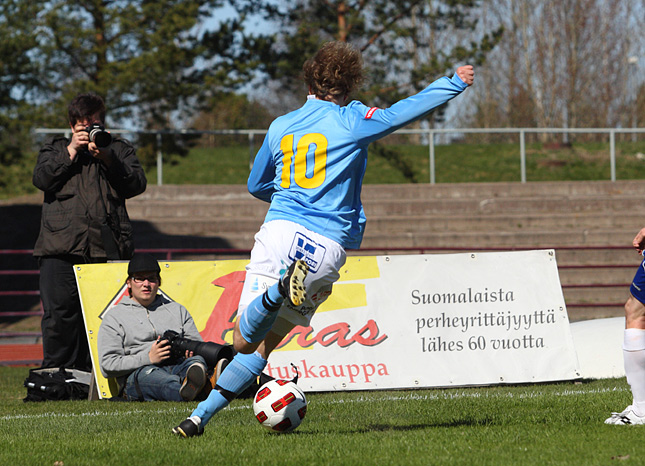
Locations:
(611, 132)
(429, 133)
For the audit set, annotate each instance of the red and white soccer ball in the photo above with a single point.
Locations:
(280, 406)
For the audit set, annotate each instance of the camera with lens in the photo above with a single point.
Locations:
(211, 352)
(99, 136)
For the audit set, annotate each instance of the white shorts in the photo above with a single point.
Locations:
(277, 245)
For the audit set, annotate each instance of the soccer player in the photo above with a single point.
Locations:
(634, 345)
(310, 169)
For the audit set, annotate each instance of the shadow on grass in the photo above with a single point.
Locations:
(412, 427)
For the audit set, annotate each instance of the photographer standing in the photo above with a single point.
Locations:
(86, 180)
(131, 346)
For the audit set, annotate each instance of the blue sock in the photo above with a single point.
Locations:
(259, 316)
(236, 377)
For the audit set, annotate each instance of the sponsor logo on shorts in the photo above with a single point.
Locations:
(308, 250)
(258, 286)
(255, 286)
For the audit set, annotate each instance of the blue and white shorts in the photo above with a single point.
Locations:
(277, 245)
(637, 289)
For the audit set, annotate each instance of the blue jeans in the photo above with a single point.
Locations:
(161, 383)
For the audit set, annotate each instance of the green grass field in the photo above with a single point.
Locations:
(454, 163)
(559, 423)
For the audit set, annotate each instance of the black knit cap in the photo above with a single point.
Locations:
(143, 263)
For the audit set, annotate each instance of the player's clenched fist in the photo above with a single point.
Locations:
(466, 73)
(639, 241)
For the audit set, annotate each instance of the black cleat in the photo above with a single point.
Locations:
(190, 427)
(292, 283)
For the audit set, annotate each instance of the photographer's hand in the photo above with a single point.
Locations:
(80, 140)
(104, 155)
(160, 351)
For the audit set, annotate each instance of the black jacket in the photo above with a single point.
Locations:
(84, 202)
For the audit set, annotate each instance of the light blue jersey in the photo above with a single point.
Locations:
(312, 161)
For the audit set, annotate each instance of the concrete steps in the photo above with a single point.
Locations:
(590, 224)
(478, 191)
(504, 190)
(524, 239)
(245, 217)
(586, 228)
(567, 216)
(478, 214)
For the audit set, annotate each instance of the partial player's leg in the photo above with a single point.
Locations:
(236, 377)
(259, 316)
(634, 353)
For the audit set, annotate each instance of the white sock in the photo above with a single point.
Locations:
(634, 357)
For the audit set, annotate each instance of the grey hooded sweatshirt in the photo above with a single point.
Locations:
(128, 331)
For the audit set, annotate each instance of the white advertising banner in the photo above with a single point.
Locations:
(391, 322)
(441, 320)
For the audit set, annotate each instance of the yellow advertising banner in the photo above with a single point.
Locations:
(210, 290)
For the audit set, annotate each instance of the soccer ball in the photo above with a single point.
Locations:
(280, 406)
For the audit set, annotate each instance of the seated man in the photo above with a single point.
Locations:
(131, 347)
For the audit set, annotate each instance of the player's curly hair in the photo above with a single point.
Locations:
(335, 71)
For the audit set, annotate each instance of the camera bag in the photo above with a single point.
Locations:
(57, 384)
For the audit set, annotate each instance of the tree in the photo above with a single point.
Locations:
(154, 62)
(562, 64)
(405, 43)
(226, 111)
(18, 74)
(147, 58)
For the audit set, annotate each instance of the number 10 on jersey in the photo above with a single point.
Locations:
(299, 161)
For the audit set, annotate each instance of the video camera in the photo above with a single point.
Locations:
(99, 136)
(211, 352)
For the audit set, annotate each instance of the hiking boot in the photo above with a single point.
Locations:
(292, 284)
(190, 427)
(193, 382)
(211, 379)
(219, 368)
(627, 417)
